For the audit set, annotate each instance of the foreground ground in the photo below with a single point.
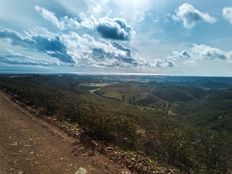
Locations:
(29, 145)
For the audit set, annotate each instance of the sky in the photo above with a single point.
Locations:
(165, 37)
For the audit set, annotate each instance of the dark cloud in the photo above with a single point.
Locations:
(88, 51)
(164, 63)
(13, 58)
(185, 54)
(15, 38)
(72, 48)
(121, 57)
(16, 59)
(121, 47)
(51, 46)
(109, 28)
(116, 29)
(84, 50)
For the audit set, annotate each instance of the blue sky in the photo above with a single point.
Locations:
(109, 36)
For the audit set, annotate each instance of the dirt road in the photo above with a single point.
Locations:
(29, 146)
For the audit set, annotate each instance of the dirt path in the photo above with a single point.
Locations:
(29, 146)
(94, 90)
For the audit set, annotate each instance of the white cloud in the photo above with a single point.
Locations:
(210, 53)
(132, 10)
(70, 48)
(77, 42)
(84, 45)
(86, 50)
(48, 15)
(227, 14)
(203, 52)
(110, 28)
(190, 16)
(164, 63)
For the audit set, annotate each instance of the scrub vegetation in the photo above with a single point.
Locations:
(185, 122)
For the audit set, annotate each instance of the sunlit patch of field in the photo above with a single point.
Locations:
(98, 85)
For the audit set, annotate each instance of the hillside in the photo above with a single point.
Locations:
(166, 121)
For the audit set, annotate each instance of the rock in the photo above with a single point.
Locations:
(27, 145)
(109, 148)
(125, 172)
(21, 172)
(15, 161)
(81, 170)
(94, 143)
(14, 144)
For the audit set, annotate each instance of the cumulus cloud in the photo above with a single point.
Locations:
(110, 28)
(204, 52)
(73, 48)
(86, 50)
(50, 45)
(185, 54)
(85, 47)
(115, 28)
(191, 16)
(82, 41)
(227, 14)
(210, 53)
(164, 63)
